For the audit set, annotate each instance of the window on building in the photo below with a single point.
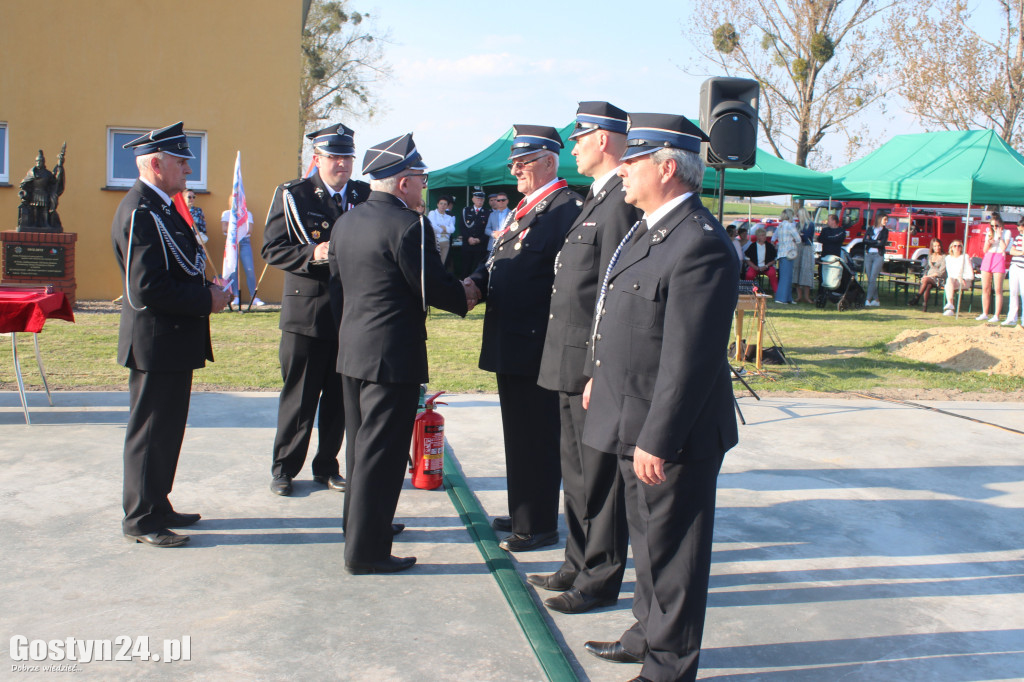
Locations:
(121, 168)
(5, 174)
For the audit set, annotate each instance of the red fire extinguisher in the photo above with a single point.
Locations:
(428, 447)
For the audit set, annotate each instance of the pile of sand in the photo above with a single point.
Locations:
(985, 348)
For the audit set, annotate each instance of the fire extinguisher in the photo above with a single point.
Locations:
(428, 447)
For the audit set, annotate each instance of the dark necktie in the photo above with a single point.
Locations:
(339, 202)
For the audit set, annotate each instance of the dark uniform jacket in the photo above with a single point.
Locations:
(474, 224)
(517, 288)
(661, 381)
(375, 255)
(306, 303)
(172, 331)
(579, 270)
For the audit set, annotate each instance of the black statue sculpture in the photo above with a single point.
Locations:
(40, 191)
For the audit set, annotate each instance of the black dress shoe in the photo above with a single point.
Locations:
(334, 482)
(281, 485)
(612, 651)
(575, 601)
(397, 528)
(554, 582)
(178, 520)
(392, 564)
(159, 538)
(524, 543)
(502, 524)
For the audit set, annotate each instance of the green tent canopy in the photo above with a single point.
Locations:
(958, 167)
(769, 176)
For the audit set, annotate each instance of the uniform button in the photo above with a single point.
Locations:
(554, 290)
(636, 285)
(597, 364)
(611, 286)
(501, 248)
(598, 337)
(551, 316)
(604, 310)
(579, 236)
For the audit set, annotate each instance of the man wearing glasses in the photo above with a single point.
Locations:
(386, 261)
(516, 283)
(296, 238)
(496, 220)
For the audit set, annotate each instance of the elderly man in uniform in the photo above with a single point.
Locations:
(474, 233)
(296, 239)
(165, 331)
(385, 258)
(595, 513)
(661, 394)
(516, 283)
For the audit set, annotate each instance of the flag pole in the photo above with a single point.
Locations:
(258, 282)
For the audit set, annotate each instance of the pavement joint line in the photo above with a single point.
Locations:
(532, 622)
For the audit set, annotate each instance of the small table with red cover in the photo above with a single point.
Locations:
(26, 309)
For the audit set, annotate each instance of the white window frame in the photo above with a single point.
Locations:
(5, 170)
(197, 179)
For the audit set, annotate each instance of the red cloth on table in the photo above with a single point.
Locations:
(26, 310)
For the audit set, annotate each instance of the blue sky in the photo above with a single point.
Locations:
(464, 72)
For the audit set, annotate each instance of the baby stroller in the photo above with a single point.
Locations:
(838, 284)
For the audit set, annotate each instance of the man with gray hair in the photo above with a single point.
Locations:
(516, 283)
(384, 256)
(661, 395)
(165, 331)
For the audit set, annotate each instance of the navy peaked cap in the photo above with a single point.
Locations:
(591, 116)
(170, 140)
(337, 140)
(529, 139)
(392, 157)
(650, 132)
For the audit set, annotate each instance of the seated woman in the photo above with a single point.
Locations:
(959, 273)
(761, 258)
(933, 276)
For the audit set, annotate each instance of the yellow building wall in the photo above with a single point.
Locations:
(73, 68)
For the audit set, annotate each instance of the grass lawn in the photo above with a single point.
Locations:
(834, 351)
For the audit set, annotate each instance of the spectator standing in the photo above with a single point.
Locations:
(959, 273)
(444, 226)
(874, 254)
(496, 220)
(803, 266)
(788, 240)
(993, 267)
(198, 217)
(933, 277)
(244, 257)
(1016, 281)
(474, 233)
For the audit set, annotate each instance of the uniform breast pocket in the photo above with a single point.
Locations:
(638, 299)
(302, 286)
(580, 249)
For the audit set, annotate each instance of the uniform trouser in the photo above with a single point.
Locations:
(670, 527)
(152, 441)
(595, 511)
(872, 268)
(380, 420)
(529, 422)
(310, 380)
(471, 260)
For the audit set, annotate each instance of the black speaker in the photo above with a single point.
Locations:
(728, 115)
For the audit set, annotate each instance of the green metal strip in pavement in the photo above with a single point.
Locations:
(550, 656)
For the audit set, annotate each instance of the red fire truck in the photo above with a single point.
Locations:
(911, 231)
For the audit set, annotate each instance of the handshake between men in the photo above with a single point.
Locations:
(473, 295)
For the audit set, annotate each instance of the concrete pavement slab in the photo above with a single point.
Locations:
(855, 540)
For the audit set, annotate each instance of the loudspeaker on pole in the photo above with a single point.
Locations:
(728, 115)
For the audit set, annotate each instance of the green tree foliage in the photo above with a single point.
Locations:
(818, 61)
(956, 77)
